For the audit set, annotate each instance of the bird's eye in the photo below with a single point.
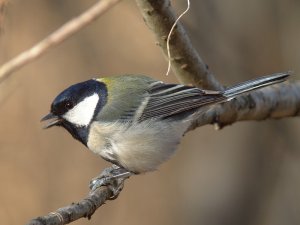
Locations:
(68, 105)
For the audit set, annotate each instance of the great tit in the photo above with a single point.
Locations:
(134, 121)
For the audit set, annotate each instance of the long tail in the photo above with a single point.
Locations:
(260, 82)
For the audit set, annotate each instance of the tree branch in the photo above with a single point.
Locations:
(75, 211)
(187, 65)
(57, 37)
(273, 102)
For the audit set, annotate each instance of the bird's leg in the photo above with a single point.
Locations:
(112, 177)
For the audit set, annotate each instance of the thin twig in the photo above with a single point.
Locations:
(56, 37)
(75, 211)
(188, 66)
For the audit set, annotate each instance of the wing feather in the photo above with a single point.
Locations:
(166, 100)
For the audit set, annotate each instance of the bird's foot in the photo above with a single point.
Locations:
(112, 177)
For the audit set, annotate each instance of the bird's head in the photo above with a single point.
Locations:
(76, 107)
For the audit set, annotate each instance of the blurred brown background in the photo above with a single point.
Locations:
(248, 173)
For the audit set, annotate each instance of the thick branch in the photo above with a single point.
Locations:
(57, 37)
(273, 102)
(187, 65)
(75, 211)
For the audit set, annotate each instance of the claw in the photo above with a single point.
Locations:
(112, 177)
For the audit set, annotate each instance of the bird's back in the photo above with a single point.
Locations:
(125, 95)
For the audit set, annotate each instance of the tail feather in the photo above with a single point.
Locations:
(250, 85)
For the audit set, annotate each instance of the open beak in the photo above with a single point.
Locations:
(54, 120)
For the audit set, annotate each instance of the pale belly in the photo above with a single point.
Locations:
(140, 147)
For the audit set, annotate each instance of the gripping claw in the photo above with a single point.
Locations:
(112, 177)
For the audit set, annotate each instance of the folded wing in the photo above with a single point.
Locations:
(167, 100)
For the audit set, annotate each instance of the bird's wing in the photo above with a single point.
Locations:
(167, 100)
(138, 98)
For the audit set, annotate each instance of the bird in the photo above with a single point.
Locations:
(134, 121)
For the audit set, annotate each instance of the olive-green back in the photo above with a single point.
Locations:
(125, 94)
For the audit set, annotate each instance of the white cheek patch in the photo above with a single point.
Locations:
(82, 113)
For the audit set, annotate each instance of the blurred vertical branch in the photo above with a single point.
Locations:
(3, 5)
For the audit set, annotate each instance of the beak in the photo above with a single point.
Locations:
(55, 120)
